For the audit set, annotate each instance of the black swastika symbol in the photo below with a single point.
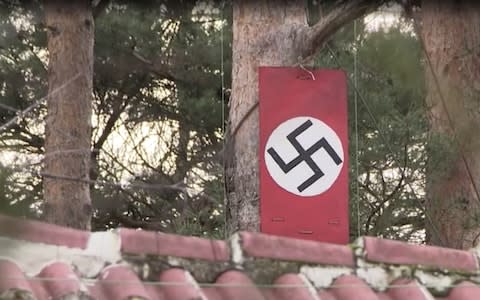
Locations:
(305, 155)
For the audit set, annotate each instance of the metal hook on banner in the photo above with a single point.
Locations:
(308, 71)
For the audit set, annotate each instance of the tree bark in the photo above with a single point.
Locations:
(451, 36)
(68, 124)
(257, 41)
(266, 33)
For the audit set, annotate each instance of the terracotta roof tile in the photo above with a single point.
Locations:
(60, 280)
(325, 295)
(407, 289)
(350, 287)
(120, 282)
(465, 291)
(395, 252)
(160, 266)
(282, 248)
(236, 285)
(158, 243)
(183, 285)
(15, 278)
(297, 291)
(35, 231)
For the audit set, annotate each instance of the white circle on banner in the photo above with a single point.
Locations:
(304, 156)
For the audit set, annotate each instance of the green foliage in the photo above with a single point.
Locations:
(159, 118)
(392, 130)
(158, 113)
(165, 58)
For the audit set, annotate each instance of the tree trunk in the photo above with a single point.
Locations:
(256, 42)
(68, 124)
(266, 33)
(451, 35)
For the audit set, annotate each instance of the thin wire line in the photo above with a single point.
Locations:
(355, 101)
(22, 113)
(7, 107)
(177, 187)
(375, 123)
(148, 186)
(222, 75)
(222, 285)
(222, 71)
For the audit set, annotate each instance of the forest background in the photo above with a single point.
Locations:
(162, 77)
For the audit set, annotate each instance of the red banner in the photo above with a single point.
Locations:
(304, 154)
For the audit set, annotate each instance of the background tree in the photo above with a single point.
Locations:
(157, 117)
(450, 30)
(70, 35)
(157, 121)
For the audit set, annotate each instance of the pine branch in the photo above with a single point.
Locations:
(339, 16)
(100, 7)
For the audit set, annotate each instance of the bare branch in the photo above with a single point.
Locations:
(341, 15)
(177, 187)
(142, 58)
(100, 7)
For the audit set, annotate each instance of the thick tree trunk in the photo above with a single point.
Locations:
(451, 35)
(257, 40)
(68, 124)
